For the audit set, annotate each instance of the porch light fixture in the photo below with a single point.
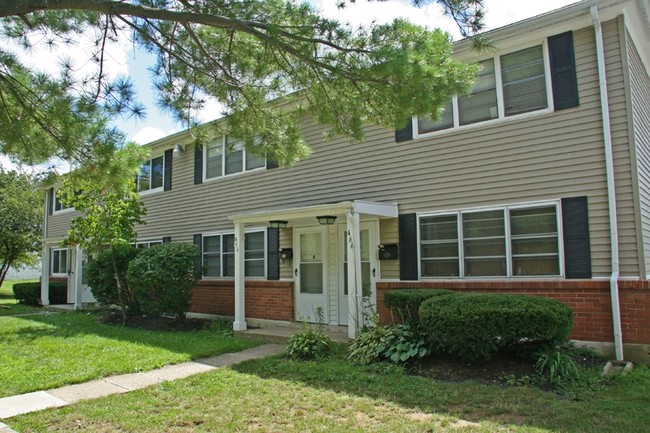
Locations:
(278, 224)
(326, 220)
(178, 149)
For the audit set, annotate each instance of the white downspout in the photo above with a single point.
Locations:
(611, 190)
(45, 258)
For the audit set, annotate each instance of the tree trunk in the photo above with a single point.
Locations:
(118, 284)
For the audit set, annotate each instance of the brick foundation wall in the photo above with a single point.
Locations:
(57, 279)
(589, 300)
(272, 300)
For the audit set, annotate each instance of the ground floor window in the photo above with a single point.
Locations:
(147, 244)
(219, 255)
(59, 262)
(521, 240)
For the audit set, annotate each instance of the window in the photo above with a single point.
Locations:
(227, 155)
(151, 175)
(59, 265)
(509, 241)
(146, 244)
(58, 205)
(521, 77)
(219, 255)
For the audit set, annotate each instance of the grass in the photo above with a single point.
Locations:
(8, 305)
(280, 395)
(47, 351)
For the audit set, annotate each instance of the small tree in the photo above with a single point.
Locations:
(101, 276)
(110, 211)
(21, 213)
(162, 278)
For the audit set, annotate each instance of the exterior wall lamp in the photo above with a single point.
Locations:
(326, 220)
(278, 224)
(178, 149)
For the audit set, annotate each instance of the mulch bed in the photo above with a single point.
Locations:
(154, 323)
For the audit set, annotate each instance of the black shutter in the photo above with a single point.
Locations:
(198, 264)
(273, 253)
(198, 164)
(271, 164)
(406, 133)
(166, 239)
(408, 247)
(577, 247)
(563, 71)
(50, 201)
(167, 178)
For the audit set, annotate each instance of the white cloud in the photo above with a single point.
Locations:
(149, 134)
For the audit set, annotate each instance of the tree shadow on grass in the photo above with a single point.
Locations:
(610, 411)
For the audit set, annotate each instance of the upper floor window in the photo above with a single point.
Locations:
(227, 155)
(151, 174)
(507, 85)
(59, 262)
(219, 254)
(58, 204)
(510, 241)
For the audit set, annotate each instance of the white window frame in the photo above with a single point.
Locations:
(508, 240)
(151, 190)
(226, 233)
(56, 199)
(500, 97)
(66, 264)
(223, 140)
(147, 243)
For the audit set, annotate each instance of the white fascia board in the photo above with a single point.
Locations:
(363, 207)
(531, 30)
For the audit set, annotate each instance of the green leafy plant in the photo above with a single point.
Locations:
(101, 277)
(312, 342)
(556, 366)
(405, 303)
(162, 278)
(475, 326)
(394, 343)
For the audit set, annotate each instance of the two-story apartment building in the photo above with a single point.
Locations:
(538, 182)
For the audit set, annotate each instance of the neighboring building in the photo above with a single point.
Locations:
(538, 183)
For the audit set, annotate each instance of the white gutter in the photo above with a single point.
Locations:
(611, 190)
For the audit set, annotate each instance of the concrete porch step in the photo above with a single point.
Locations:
(281, 334)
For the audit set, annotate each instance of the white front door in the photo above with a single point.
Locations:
(78, 290)
(368, 235)
(310, 274)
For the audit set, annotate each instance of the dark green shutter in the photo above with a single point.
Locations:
(406, 133)
(50, 201)
(408, 247)
(577, 246)
(271, 164)
(198, 263)
(167, 178)
(273, 253)
(563, 71)
(198, 164)
(166, 239)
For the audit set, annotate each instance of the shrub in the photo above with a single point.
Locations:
(556, 365)
(475, 326)
(30, 293)
(101, 277)
(162, 278)
(406, 302)
(399, 344)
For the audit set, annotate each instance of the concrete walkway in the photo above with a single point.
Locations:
(39, 400)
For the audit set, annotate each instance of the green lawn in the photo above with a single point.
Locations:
(8, 305)
(280, 395)
(47, 351)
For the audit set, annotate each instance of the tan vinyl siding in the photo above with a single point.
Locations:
(58, 223)
(540, 157)
(640, 101)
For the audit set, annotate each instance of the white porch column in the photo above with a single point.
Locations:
(354, 273)
(45, 275)
(240, 297)
(78, 258)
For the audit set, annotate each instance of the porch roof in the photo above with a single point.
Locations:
(361, 207)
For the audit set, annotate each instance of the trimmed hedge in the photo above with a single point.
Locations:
(474, 326)
(30, 293)
(406, 302)
(101, 277)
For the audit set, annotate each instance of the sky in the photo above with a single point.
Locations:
(124, 60)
